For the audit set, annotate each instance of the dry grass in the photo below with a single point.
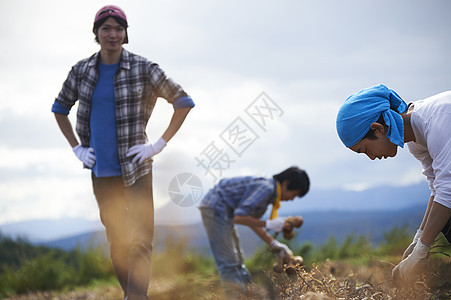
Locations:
(338, 280)
(329, 280)
(104, 292)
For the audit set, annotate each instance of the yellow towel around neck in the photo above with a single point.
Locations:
(276, 204)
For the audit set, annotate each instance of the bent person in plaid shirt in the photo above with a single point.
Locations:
(244, 200)
(116, 92)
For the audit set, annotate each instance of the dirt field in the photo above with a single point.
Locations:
(330, 280)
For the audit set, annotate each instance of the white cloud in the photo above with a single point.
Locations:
(46, 198)
(308, 56)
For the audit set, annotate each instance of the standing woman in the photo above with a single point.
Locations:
(117, 91)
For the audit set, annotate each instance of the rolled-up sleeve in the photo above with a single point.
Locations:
(58, 108)
(183, 102)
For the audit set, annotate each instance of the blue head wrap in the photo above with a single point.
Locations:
(362, 109)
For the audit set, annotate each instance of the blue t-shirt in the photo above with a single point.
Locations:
(103, 123)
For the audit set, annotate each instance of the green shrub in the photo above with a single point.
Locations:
(13, 252)
(25, 268)
(177, 259)
(396, 241)
(327, 251)
(91, 264)
(441, 246)
(44, 272)
(263, 258)
(351, 249)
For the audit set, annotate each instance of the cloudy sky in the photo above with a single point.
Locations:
(305, 57)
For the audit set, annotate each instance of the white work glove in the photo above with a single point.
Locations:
(280, 249)
(412, 245)
(144, 151)
(410, 269)
(85, 154)
(275, 224)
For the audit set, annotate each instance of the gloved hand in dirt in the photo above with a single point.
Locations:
(411, 268)
(276, 224)
(412, 245)
(280, 249)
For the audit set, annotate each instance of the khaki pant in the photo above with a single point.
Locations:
(128, 216)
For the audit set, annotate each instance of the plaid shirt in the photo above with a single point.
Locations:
(137, 85)
(243, 196)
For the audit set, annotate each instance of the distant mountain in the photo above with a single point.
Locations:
(318, 227)
(38, 231)
(326, 212)
(82, 241)
(384, 198)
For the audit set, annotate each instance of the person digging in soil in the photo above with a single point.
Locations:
(375, 121)
(244, 200)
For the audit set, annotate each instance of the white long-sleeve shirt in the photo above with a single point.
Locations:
(431, 123)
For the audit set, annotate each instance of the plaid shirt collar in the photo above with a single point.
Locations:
(124, 61)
